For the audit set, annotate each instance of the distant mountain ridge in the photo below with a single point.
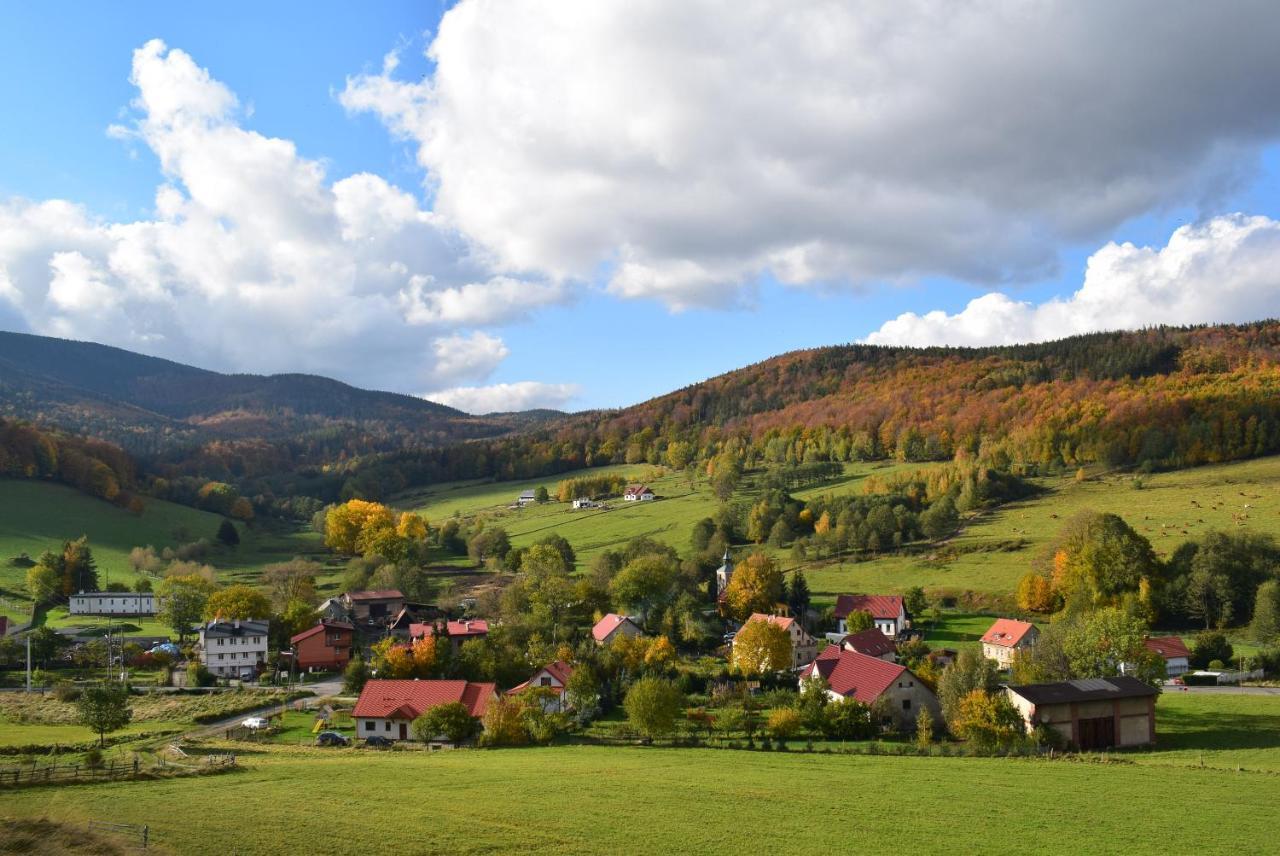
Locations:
(149, 404)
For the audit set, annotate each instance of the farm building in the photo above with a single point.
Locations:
(554, 677)
(870, 680)
(386, 708)
(803, 646)
(612, 626)
(233, 649)
(373, 606)
(638, 493)
(1093, 713)
(583, 503)
(1177, 659)
(887, 611)
(325, 646)
(112, 603)
(1005, 637)
(527, 497)
(872, 643)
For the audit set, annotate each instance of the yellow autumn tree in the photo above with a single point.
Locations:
(823, 526)
(756, 586)
(412, 526)
(345, 523)
(760, 648)
(1035, 594)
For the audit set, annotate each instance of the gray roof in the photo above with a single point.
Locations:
(1085, 689)
(230, 628)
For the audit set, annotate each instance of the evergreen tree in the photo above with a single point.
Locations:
(227, 533)
(798, 597)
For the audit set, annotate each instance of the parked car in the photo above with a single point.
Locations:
(376, 742)
(256, 723)
(332, 738)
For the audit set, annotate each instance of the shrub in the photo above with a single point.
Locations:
(451, 720)
(93, 759)
(66, 691)
(784, 723)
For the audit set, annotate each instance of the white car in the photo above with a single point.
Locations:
(254, 723)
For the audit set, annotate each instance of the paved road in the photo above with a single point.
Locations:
(1269, 691)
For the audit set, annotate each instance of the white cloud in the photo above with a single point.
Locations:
(255, 260)
(504, 397)
(692, 146)
(1224, 270)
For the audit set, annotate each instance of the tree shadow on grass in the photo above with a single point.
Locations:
(1177, 729)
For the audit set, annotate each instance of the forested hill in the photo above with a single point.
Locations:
(1166, 397)
(154, 406)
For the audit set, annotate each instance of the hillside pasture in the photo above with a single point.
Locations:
(996, 548)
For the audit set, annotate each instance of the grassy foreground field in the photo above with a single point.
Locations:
(595, 799)
(992, 552)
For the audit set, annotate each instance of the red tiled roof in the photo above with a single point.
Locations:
(782, 621)
(408, 699)
(472, 627)
(854, 675)
(384, 594)
(1168, 647)
(1007, 632)
(871, 642)
(882, 606)
(312, 631)
(560, 670)
(636, 489)
(607, 625)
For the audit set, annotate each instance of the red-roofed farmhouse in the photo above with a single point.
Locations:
(871, 681)
(386, 708)
(1006, 636)
(1177, 659)
(887, 611)
(325, 646)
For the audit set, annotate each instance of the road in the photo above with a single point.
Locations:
(1271, 691)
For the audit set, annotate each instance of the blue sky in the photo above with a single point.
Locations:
(790, 274)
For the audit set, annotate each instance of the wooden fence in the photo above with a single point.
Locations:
(130, 831)
(111, 771)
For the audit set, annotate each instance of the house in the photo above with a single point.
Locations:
(401, 625)
(334, 608)
(527, 497)
(386, 708)
(372, 607)
(942, 657)
(325, 646)
(456, 631)
(1093, 713)
(555, 677)
(112, 603)
(1177, 659)
(724, 574)
(612, 626)
(872, 643)
(638, 493)
(1006, 636)
(803, 646)
(874, 681)
(233, 649)
(887, 611)
(583, 503)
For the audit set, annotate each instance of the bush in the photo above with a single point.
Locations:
(784, 723)
(1217, 664)
(1200, 680)
(93, 759)
(66, 691)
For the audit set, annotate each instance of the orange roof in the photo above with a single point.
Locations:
(882, 606)
(408, 699)
(1007, 632)
(472, 627)
(781, 620)
(854, 675)
(1168, 647)
(607, 625)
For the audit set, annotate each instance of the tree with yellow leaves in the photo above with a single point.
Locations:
(412, 526)
(760, 648)
(1035, 594)
(344, 524)
(756, 586)
(237, 602)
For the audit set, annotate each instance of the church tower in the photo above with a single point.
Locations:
(724, 573)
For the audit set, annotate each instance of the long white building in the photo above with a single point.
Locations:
(113, 603)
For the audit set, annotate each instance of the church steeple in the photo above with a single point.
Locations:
(724, 573)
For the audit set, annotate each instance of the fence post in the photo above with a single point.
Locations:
(146, 833)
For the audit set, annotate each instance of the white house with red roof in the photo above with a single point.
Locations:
(1005, 637)
(873, 643)
(887, 611)
(638, 493)
(553, 677)
(612, 625)
(1177, 658)
(457, 631)
(803, 646)
(387, 708)
(872, 681)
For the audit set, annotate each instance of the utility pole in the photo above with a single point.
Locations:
(28, 659)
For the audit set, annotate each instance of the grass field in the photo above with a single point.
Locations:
(581, 799)
(40, 516)
(992, 552)
(1224, 730)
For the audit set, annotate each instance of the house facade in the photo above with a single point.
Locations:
(112, 603)
(1006, 637)
(528, 497)
(895, 689)
(388, 708)
(638, 493)
(887, 612)
(1176, 655)
(803, 646)
(373, 607)
(553, 677)
(325, 646)
(613, 625)
(1092, 713)
(583, 503)
(234, 649)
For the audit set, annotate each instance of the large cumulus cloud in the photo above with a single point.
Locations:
(686, 147)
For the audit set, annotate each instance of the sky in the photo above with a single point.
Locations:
(587, 203)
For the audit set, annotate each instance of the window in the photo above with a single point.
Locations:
(544, 682)
(220, 656)
(369, 725)
(386, 726)
(906, 704)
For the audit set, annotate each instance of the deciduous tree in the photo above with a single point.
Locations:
(104, 709)
(237, 602)
(761, 648)
(756, 586)
(653, 705)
